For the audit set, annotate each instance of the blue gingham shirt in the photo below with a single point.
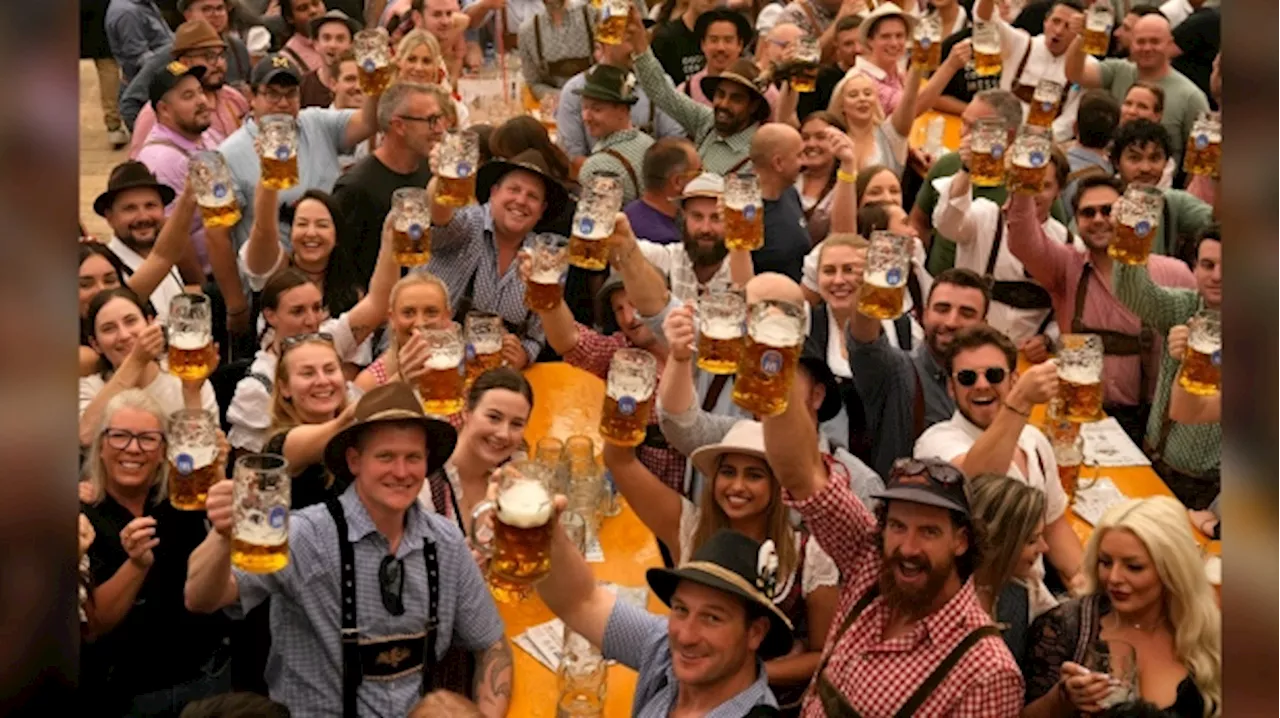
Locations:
(304, 668)
(466, 247)
(638, 639)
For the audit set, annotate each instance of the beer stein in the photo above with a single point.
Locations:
(612, 27)
(484, 344)
(549, 451)
(722, 322)
(633, 375)
(1098, 21)
(775, 337)
(1069, 455)
(277, 144)
(804, 75)
(1119, 661)
(411, 227)
(189, 333)
(549, 264)
(584, 489)
(593, 222)
(1079, 364)
(1136, 216)
(1204, 146)
(520, 551)
(261, 500)
(374, 70)
(441, 386)
(743, 212)
(987, 139)
(987, 61)
(576, 448)
(884, 282)
(456, 163)
(1029, 159)
(1045, 103)
(1202, 363)
(193, 455)
(926, 46)
(210, 178)
(582, 678)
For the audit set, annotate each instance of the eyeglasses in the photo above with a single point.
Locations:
(290, 342)
(121, 438)
(431, 120)
(1091, 212)
(938, 471)
(969, 377)
(391, 584)
(289, 95)
(208, 57)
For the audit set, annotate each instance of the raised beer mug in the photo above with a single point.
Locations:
(1202, 363)
(210, 178)
(261, 500)
(884, 281)
(988, 138)
(1098, 21)
(549, 263)
(628, 397)
(372, 48)
(1136, 216)
(613, 21)
(987, 61)
(441, 385)
(1045, 103)
(1079, 363)
(582, 678)
(926, 46)
(593, 221)
(519, 552)
(1204, 146)
(804, 76)
(484, 343)
(278, 151)
(1029, 159)
(775, 337)
(411, 227)
(722, 324)
(193, 455)
(456, 163)
(189, 331)
(743, 212)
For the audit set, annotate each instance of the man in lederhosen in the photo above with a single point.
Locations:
(377, 589)
(607, 98)
(555, 44)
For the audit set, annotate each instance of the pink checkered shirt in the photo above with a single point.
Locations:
(876, 676)
(592, 353)
(379, 371)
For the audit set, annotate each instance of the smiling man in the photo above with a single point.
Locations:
(332, 33)
(607, 97)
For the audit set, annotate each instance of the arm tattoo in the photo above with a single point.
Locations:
(492, 687)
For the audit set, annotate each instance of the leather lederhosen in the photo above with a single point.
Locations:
(1113, 343)
(456, 669)
(564, 69)
(1027, 93)
(835, 705)
(388, 658)
(1016, 293)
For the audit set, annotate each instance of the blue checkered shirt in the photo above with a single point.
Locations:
(465, 247)
(638, 639)
(304, 668)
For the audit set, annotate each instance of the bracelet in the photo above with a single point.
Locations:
(1023, 414)
(849, 177)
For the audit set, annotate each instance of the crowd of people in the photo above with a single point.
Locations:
(896, 541)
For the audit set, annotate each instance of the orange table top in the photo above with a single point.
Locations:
(950, 132)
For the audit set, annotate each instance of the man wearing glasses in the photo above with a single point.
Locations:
(377, 589)
(990, 434)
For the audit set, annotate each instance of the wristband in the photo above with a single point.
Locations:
(849, 177)
(1023, 414)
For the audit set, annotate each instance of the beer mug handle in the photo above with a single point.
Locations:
(485, 547)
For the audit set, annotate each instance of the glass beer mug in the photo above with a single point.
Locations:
(743, 212)
(520, 550)
(261, 499)
(582, 678)
(926, 47)
(411, 227)
(593, 222)
(1079, 364)
(884, 282)
(374, 70)
(1045, 103)
(484, 344)
(456, 163)
(189, 331)
(441, 386)
(193, 455)
(1069, 455)
(804, 76)
(775, 336)
(1098, 21)
(633, 375)
(1136, 216)
(1029, 159)
(585, 488)
(549, 264)
(278, 151)
(987, 60)
(722, 323)
(1204, 146)
(987, 139)
(613, 21)
(1202, 363)
(210, 177)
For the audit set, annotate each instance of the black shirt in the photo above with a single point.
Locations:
(311, 485)
(967, 82)
(158, 644)
(786, 237)
(828, 77)
(677, 48)
(1200, 38)
(363, 195)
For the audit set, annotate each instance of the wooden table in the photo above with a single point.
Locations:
(950, 132)
(567, 401)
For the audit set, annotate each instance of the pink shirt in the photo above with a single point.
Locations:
(229, 112)
(693, 88)
(1057, 267)
(889, 86)
(305, 50)
(167, 156)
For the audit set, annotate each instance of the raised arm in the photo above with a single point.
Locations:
(210, 584)
(362, 124)
(657, 504)
(1078, 69)
(953, 216)
(1045, 259)
(993, 452)
(905, 113)
(452, 230)
(676, 392)
(558, 324)
(371, 310)
(172, 244)
(691, 115)
(146, 348)
(571, 591)
(982, 10)
(932, 91)
(304, 444)
(844, 200)
(1161, 307)
(1185, 407)
(646, 287)
(262, 251)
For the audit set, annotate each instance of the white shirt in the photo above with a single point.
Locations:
(1041, 65)
(971, 223)
(809, 280)
(168, 288)
(166, 389)
(1176, 11)
(674, 263)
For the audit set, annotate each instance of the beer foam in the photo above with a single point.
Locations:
(545, 276)
(1080, 375)
(201, 456)
(189, 341)
(443, 360)
(525, 504)
(777, 330)
(741, 203)
(1203, 344)
(721, 329)
(635, 387)
(488, 345)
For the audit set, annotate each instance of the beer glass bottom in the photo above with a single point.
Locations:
(412, 259)
(749, 244)
(1069, 476)
(376, 82)
(504, 591)
(184, 497)
(581, 696)
(1198, 388)
(1083, 415)
(256, 558)
(1127, 255)
(631, 438)
(190, 373)
(281, 183)
(757, 403)
(802, 85)
(224, 216)
(592, 254)
(714, 366)
(442, 407)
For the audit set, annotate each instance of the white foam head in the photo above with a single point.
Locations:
(545, 276)
(444, 360)
(525, 504)
(1082, 375)
(717, 328)
(1204, 343)
(487, 345)
(778, 330)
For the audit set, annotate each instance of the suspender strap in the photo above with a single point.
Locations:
(351, 673)
(1016, 86)
(433, 611)
(166, 143)
(537, 39)
(631, 171)
(714, 391)
(741, 163)
(294, 56)
(995, 244)
(835, 705)
(940, 673)
(591, 34)
(261, 379)
(813, 19)
(917, 404)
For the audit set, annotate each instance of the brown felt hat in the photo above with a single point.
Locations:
(745, 73)
(393, 402)
(195, 35)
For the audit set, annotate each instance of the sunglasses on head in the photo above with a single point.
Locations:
(969, 377)
(939, 472)
(1091, 212)
(290, 342)
(391, 584)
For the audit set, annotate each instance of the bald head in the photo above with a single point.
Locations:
(775, 152)
(771, 285)
(1149, 47)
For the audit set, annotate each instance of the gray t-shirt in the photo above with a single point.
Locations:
(1183, 101)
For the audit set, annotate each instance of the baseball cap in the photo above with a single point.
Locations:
(272, 67)
(168, 78)
(932, 482)
(704, 185)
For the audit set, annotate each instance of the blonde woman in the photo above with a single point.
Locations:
(418, 59)
(1148, 589)
(418, 301)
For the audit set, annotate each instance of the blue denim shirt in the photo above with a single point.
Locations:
(135, 31)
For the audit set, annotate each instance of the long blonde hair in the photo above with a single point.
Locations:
(711, 518)
(284, 415)
(836, 104)
(418, 36)
(840, 239)
(412, 279)
(94, 470)
(1160, 523)
(1011, 511)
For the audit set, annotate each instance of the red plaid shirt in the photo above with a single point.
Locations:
(876, 676)
(592, 353)
(379, 371)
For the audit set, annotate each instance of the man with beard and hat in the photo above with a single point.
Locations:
(990, 433)
(706, 657)
(907, 575)
(333, 642)
(722, 132)
(607, 98)
(473, 249)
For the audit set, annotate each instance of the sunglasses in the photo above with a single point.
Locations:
(945, 474)
(120, 439)
(290, 342)
(1091, 212)
(969, 377)
(391, 584)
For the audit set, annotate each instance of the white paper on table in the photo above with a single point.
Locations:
(1093, 502)
(525, 643)
(1106, 444)
(595, 552)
